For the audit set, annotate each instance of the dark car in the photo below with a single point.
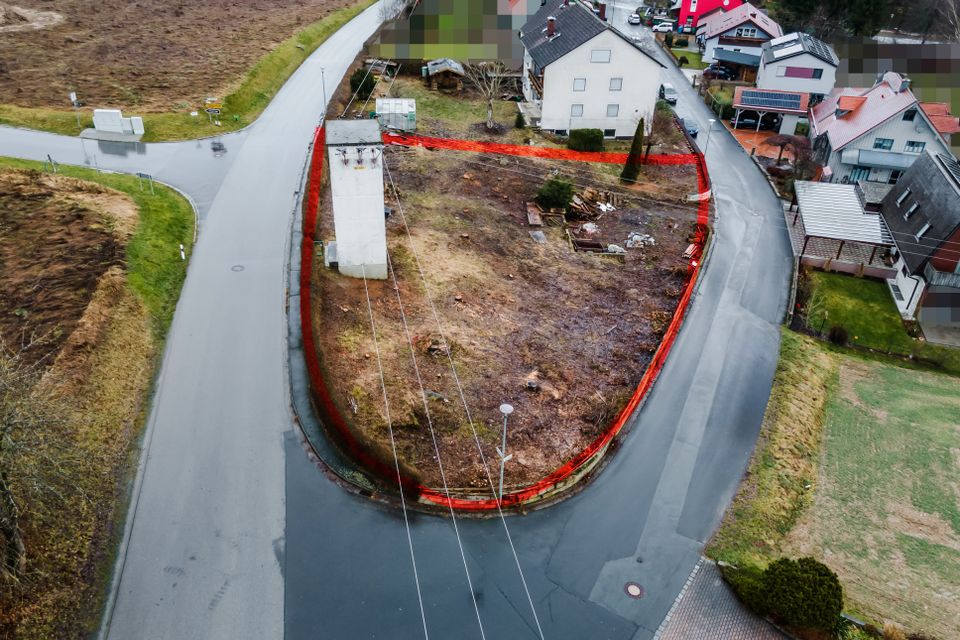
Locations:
(691, 128)
(719, 73)
(768, 122)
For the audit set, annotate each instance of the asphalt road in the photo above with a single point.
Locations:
(235, 533)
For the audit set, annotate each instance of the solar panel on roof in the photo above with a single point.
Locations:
(788, 51)
(950, 165)
(790, 37)
(771, 99)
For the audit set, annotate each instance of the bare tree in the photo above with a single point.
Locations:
(489, 78)
(950, 9)
(804, 164)
(779, 140)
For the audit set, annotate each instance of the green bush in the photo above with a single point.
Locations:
(668, 38)
(681, 42)
(838, 335)
(803, 593)
(519, 122)
(585, 140)
(682, 60)
(555, 193)
(631, 168)
(362, 83)
(747, 583)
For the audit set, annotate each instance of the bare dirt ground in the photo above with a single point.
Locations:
(563, 336)
(153, 54)
(57, 238)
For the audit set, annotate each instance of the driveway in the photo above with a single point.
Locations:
(235, 533)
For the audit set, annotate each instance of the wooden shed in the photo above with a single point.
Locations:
(444, 74)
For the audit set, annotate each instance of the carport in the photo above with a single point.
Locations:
(792, 105)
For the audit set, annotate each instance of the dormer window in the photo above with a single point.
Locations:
(903, 196)
(912, 210)
(909, 115)
(923, 230)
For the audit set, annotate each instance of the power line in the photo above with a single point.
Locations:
(396, 460)
(436, 446)
(456, 378)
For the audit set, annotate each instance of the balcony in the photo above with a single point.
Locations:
(878, 158)
(936, 278)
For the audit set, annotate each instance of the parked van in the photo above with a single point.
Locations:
(668, 93)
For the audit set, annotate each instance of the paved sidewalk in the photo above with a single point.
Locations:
(708, 610)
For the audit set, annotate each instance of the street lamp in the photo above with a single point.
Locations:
(709, 131)
(506, 410)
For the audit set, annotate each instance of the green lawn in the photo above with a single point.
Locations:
(857, 465)
(695, 58)
(240, 108)
(866, 310)
(154, 269)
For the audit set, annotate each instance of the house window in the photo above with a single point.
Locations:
(883, 143)
(609, 133)
(914, 146)
(896, 292)
(912, 210)
(600, 55)
(576, 110)
(579, 84)
(923, 230)
(616, 84)
(803, 72)
(909, 115)
(894, 176)
(613, 110)
(560, 132)
(903, 196)
(746, 32)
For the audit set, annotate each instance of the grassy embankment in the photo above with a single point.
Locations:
(241, 106)
(857, 466)
(695, 58)
(72, 518)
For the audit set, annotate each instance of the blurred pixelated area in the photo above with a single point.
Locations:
(466, 30)
(933, 68)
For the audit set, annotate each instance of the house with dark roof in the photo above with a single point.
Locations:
(737, 36)
(875, 134)
(798, 62)
(923, 213)
(580, 73)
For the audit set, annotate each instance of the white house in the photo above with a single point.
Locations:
(798, 62)
(738, 35)
(877, 133)
(583, 74)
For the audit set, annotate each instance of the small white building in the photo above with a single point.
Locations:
(738, 36)
(397, 113)
(583, 74)
(798, 62)
(355, 149)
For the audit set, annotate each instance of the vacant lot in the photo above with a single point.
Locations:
(89, 276)
(159, 57)
(858, 466)
(562, 335)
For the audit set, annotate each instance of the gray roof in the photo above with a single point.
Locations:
(444, 64)
(794, 44)
(575, 24)
(736, 57)
(342, 133)
(874, 192)
(833, 210)
(934, 186)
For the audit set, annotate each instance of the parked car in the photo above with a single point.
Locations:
(691, 128)
(668, 93)
(767, 122)
(719, 73)
(633, 19)
(663, 27)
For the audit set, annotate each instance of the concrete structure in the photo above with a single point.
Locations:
(798, 62)
(743, 31)
(688, 12)
(923, 212)
(584, 74)
(354, 150)
(874, 134)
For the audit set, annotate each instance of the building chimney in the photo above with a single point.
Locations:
(603, 11)
(551, 26)
(904, 84)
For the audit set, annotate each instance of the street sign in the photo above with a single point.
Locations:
(213, 111)
(213, 105)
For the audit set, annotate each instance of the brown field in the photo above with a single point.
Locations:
(581, 326)
(151, 54)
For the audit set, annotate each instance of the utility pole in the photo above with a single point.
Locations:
(506, 410)
(709, 131)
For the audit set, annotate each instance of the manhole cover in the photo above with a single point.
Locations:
(237, 267)
(633, 590)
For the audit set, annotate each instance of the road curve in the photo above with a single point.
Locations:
(235, 533)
